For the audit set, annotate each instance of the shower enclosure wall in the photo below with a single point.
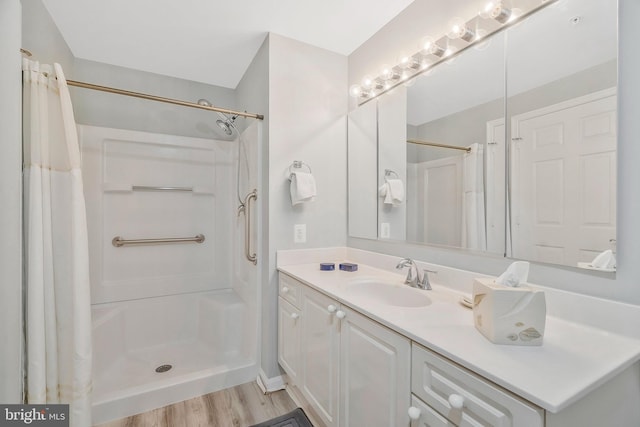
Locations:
(172, 320)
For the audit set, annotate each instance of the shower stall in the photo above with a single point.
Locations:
(175, 297)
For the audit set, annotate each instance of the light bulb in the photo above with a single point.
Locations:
(367, 82)
(485, 12)
(355, 91)
(428, 46)
(386, 72)
(409, 62)
(459, 30)
(500, 13)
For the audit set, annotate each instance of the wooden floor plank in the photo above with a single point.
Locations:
(239, 406)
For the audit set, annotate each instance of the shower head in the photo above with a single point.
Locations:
(226, 124)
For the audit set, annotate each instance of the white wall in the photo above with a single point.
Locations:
(307, 122)
(420, 17)
(11, 196)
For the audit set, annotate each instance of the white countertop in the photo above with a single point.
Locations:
(573, 360)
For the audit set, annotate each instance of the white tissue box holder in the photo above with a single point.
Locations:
(509, 315)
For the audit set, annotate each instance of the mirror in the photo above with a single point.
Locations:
(455, 151)
(535, 178)
(562, 120)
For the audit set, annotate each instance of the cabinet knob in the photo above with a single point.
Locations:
(456, 401)
(414, 413)
(285, 289)
(340, 314)
(294, 316)
(332, 308)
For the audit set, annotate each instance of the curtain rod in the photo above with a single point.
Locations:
(435, 144)
(161, 99)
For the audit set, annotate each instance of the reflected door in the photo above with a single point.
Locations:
(564, 176)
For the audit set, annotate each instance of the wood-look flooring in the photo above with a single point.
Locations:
(239, 406)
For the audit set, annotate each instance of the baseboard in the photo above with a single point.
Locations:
(299, 399)
(268, 385)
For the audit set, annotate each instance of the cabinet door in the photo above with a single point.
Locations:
(320, 354)
(374, 373)
(288, 338)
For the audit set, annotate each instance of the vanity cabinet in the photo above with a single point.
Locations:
(462, 397)
(375, 367)
(352, 370)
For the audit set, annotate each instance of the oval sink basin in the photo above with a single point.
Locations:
(389, 294)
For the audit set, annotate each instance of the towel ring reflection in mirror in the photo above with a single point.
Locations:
(389, 172)
(297, 164)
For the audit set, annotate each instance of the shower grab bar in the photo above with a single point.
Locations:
(119, 241)
(149, 188)
(246, 208)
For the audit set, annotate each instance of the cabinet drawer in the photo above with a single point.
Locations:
(438, 382)
(290, 289)
(428, 416)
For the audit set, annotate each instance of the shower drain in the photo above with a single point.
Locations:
(163, 368)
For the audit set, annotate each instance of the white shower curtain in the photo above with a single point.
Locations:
(58, 311)
(473, 217)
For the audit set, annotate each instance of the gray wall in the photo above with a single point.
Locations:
(626, 284)
(11, 196)
(42, 38)
(307, 122)
(104, 109)
(253, 95)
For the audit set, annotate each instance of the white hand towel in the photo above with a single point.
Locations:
(393, 192)
(396, 191)
(604, 260)
(303, 187)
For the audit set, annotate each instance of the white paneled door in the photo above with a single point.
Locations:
(564, 180)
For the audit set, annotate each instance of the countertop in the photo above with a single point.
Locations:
(573, 360)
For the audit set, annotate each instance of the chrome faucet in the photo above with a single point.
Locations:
(415, 277)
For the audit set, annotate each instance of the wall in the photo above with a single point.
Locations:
(11, 196)
(108, 110)
(42, 38)
(625, 286)
(307, 109)
(253, 95)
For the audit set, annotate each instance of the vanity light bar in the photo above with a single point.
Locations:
(433, 51)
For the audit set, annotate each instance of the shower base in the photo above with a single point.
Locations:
(153, 352)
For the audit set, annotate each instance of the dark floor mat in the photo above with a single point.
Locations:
(295, 418)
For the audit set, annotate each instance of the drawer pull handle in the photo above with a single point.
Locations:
(285, 290)
(414, 413)
(332, 308)
(456, 401)
(340, 314)
(294, 316)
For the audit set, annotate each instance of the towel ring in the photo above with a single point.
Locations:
(298, 164)
(389, 172)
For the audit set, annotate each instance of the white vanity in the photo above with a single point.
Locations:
(363, 349)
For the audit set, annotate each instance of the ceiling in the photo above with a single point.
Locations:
(210, 41)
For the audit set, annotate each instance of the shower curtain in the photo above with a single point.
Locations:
(473, 217)
(57, 301)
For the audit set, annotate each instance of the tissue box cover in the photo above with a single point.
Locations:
(506, 315)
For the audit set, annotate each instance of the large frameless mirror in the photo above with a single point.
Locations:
(561, 82)
(508, 148)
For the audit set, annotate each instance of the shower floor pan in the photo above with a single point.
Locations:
(154, 352)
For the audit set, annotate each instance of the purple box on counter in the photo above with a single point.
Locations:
(347, 266)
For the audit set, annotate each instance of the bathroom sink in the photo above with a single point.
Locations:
(386, 293)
